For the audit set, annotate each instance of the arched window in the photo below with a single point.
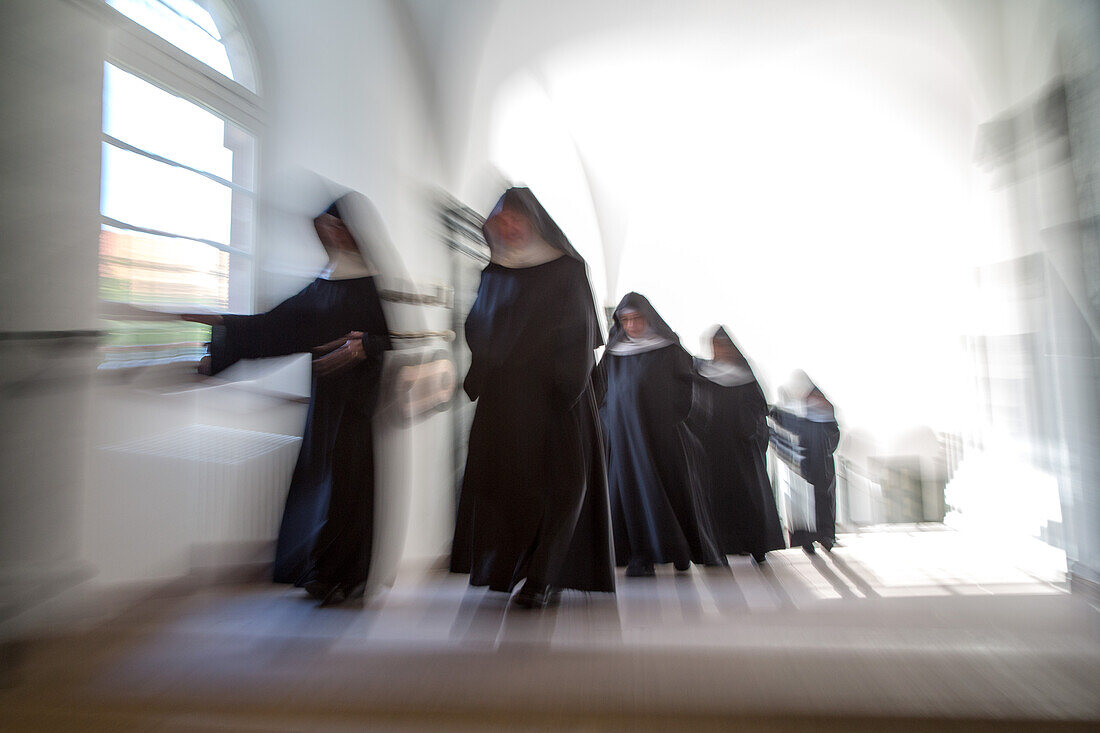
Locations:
(177, 202)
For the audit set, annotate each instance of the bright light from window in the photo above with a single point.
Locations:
(149, 194)
(158, 122)
(532, 147)
(792, 198)
(183, 24)
(170, 217)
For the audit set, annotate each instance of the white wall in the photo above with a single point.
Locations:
(51, 58)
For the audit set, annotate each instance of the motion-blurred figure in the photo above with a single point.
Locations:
(734, 435)
(325, 538)
(534, 495)
(812, 418)
(659, 510)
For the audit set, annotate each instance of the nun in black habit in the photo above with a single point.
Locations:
(533, 503)
(734, 435)
(658, 508)
(813, 420)
(326, 533)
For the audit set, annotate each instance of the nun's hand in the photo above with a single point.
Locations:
(331, 345)
(349, 352)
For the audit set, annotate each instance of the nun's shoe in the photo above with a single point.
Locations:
(537, 597)
(808, 548)
(827, 546)
(640, 569)
(682, 566)
(339, 594)
(335, 597)
(318, 589)
(759, 557)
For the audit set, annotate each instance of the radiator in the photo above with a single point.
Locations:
(201, 486)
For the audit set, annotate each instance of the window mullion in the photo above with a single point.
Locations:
(110, 140)
(108, 221)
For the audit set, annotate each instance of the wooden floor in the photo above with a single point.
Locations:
(915, 628)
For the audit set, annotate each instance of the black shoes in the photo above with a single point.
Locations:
(640, 569)
(318, 589)
(333, 595)
(537, 596)
(682, 567)
(808, 548)
(759, 558)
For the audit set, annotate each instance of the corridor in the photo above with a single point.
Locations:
(903, 628)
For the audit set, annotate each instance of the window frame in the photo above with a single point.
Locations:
(137, 50)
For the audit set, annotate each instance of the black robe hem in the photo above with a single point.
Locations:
(505, 588)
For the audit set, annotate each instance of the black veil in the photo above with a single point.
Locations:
(658, 329)
(522, 200)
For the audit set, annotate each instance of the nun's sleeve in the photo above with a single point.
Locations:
(364, 382)
(599, 380)
(702, 402)
(752, 410)
(574, 335)
(683, 384)
(832, 437)
(364, 387)
(471, 385)
(285, 329)
(758, 412)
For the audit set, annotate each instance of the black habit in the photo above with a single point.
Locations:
(818, 437)
(658, 507)
(533, 502)
(734, 435)
(327, 525)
